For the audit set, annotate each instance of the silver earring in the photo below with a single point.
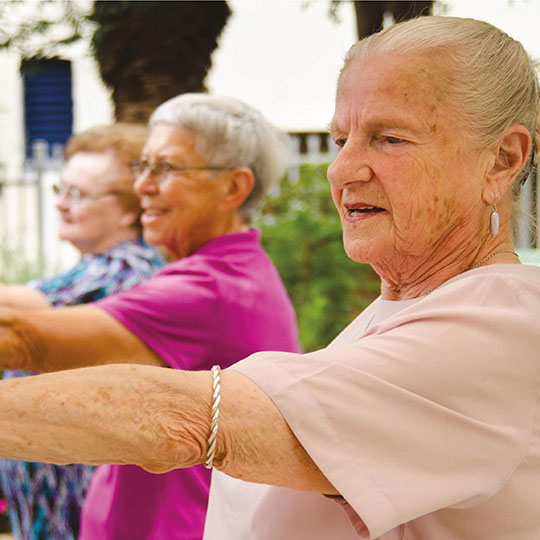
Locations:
(494, 222)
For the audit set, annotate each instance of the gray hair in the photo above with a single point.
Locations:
(487, 75)
(230, 133)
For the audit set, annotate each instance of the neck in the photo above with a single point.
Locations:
(121, 235)
(418, 276)
(228, 224)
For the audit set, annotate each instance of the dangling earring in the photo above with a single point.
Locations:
(494, 222)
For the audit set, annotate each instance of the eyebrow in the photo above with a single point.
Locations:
(159, 157)
(380, 125)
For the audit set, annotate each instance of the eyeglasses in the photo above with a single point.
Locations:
(74, 194)
(162, 169)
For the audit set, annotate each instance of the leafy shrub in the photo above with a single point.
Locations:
(301, 231)
(14, 268)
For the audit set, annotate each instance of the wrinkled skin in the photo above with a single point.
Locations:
(186, 210)
(404, 152)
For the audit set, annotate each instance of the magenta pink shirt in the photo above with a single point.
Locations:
(217, 306)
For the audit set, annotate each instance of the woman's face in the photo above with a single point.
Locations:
(407, 181)
(179, 208)
(97, 220)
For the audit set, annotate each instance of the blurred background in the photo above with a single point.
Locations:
(66, 66)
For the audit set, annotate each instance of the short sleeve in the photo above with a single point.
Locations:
(430, 409)
(172, 313)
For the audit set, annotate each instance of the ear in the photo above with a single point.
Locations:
(237, 189)
(509, 157)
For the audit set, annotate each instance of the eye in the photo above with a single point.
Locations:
(74, 193)
(340, 143)
(392, 140)
(165, 167)
(140, 166)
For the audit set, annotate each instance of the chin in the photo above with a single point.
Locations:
(157, 240)
(361, 253)
(152, 238)
(66, 237)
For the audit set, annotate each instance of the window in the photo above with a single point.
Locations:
(48, 105)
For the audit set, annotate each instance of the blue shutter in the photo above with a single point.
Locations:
(48, 105)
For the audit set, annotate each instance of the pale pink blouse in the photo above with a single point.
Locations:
(423, 414)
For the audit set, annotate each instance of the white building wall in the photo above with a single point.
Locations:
(92, 102)
(11, 117)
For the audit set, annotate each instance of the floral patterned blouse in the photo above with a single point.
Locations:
(44, 500)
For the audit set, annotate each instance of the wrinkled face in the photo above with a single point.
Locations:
(94, 223)
(406, 178)
(179, 207)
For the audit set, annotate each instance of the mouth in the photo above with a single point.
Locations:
(151, 214)
(362, 211)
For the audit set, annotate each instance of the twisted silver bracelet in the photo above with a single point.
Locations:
(216, 398)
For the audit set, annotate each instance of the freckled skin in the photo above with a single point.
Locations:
(406, 152)
(104, 395)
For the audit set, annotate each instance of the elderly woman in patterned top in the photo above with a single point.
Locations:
(99, 215)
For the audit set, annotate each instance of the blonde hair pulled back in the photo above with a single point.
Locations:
(488, 76)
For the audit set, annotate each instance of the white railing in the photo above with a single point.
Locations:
(29, 219)
(314, 148)
(529, 205)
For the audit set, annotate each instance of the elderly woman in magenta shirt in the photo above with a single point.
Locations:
(421, 419)
(205, 167)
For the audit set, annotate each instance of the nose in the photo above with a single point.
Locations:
(62, 200)
(350, 165)
(145, 184)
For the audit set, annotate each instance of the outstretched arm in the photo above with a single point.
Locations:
(153, 417)
(23, 297)
(66, 338)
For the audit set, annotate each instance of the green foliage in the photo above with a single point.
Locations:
(302, 233)
(14, 268)
(42, 29)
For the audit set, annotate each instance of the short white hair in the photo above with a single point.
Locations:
(230, 133)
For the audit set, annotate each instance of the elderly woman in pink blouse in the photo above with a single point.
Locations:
(421, 419)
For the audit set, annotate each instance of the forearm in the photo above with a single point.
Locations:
(67, 338)
(23, 297)
(153, 417)
(156, 418)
